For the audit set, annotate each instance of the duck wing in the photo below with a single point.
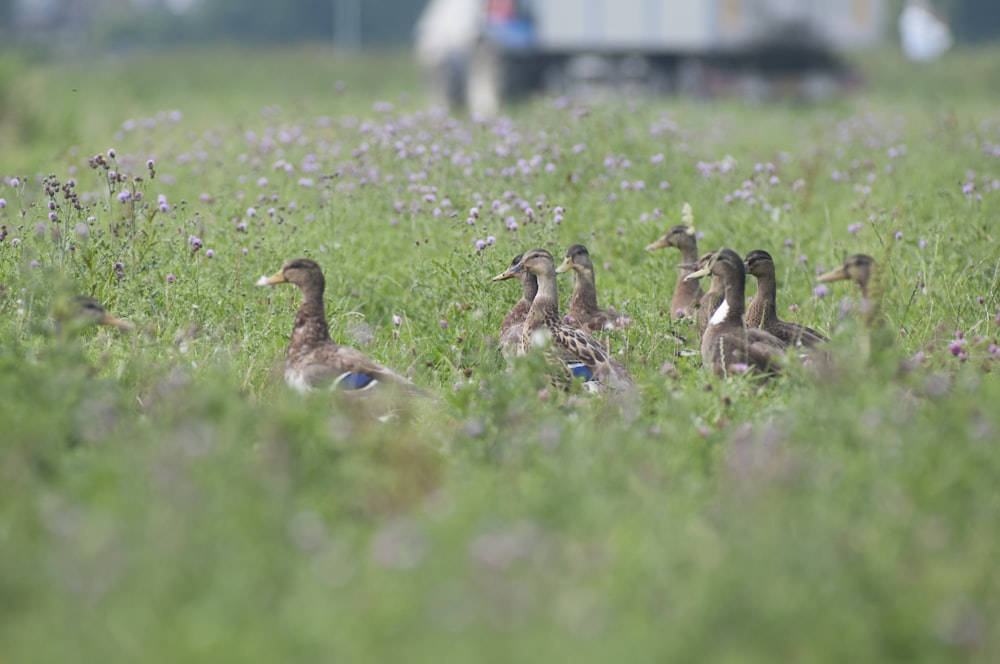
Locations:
(333, 366)
(576, 346)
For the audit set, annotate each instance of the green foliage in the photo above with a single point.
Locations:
(167, 498)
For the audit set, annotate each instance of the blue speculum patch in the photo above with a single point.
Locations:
(355, 381)
(580, 370)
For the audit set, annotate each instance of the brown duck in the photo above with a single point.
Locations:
(762, 312)
(314, 360)
(862, 270)
(728, 346)
(513, 322)
(573, 351)
(85, 311)
(687, 294)
(584, 312)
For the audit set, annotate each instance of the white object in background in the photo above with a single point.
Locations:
(924, 36)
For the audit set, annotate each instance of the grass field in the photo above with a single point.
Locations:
(167, 498)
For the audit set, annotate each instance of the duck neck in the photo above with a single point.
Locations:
(766, 298)
(584, 297)
(545, 306)
(734, 295)
(530, 283)
(684, 287)
(310, 320)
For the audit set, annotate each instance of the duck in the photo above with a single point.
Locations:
(863, 270)
(314, 360)
(513, 322)
(859, 268)
(576, 352)
(728, 345)
(84, 311)
(90, 311)
(584, 311)
(711, 299)
(762, 312)
(687, 294)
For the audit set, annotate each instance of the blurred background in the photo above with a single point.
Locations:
(98, 25)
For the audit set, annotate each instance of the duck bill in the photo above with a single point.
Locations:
(698, 274)
(276, 278)
(688, 266)
(117, 323)
(512, 271)
(565, 266)
(659, 244)
(834, 275)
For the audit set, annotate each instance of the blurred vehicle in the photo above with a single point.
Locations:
(482, 53)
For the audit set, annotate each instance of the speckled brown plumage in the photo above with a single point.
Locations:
(583, 311)
(568, 344)
(314, 360)
(513, 322)
(762, 311)
(728, 346)
(687, 294)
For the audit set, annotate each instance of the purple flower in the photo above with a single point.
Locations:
(444, 324)
(171, 278)
(209, 253)
(854, 228)
(124, 195)
(14, 182)
(820, 291)
(245, 251)
(490, 239)
(52, 216)
(793, 307)
(898, 235)
(150, 164)
(397, 320)
(251, 211)
(111, 153)
(195, 243)
(656, 158)
(480, 244)
(922, 244)
(3, 203)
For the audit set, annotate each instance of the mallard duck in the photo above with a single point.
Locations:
(712, 298)
(578, 353)
(314, 360)
(513, 322)
(686, 293)
(762, 312)
(862, 270)
(584, 312)
(859, 268)
(728, 345)
(84, 311)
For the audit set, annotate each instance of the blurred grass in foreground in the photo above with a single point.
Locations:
(167, 499)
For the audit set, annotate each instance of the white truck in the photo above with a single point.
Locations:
(481, 53)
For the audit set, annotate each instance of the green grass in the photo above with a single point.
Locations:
(167, 498)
